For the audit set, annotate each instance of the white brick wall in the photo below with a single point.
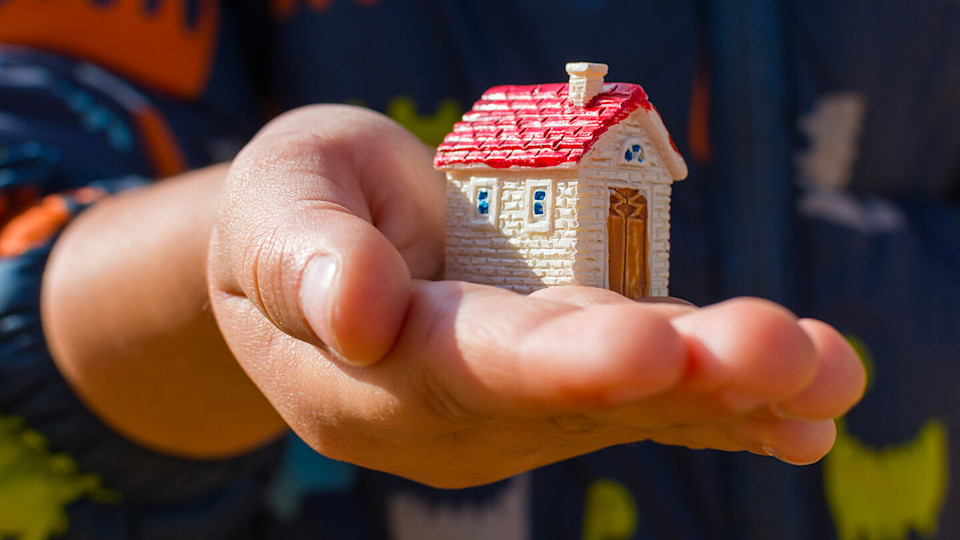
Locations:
(510, 255)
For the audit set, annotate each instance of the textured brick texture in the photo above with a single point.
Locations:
(509, 255)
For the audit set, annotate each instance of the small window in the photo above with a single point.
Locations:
(538, 197)
(539, 200)
(633, 153)
(483, 202)
(485, 197)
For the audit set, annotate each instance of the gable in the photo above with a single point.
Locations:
(635, 144)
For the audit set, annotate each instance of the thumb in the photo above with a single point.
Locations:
(295, 243)
(354, 290)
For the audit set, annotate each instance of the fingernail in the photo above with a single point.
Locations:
(319, 279)
(740, 402)
(771, 451)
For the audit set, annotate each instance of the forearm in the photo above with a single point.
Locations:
(127, 316)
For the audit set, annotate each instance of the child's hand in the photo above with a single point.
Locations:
(320, 269)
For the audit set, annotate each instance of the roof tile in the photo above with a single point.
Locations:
(535, 126)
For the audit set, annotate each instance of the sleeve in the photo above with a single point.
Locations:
(71, 135)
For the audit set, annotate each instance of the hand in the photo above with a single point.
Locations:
(321, 271)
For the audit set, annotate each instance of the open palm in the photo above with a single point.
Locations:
(323, 276)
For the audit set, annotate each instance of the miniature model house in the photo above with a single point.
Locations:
(561, 184)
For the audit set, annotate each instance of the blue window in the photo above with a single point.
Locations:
(538, 197)
(483, 202)
(634, 152)
(538, 202)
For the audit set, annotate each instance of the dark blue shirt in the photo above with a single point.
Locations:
(823, 140)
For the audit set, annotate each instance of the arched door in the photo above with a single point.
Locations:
(627, 269)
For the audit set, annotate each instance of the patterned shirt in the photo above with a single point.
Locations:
(823, 140)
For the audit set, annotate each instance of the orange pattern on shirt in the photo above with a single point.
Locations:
(32, 226)
(159, 49)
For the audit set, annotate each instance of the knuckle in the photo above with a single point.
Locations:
(269, 275)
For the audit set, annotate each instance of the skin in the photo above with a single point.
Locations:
(128, 321)
(320, 250)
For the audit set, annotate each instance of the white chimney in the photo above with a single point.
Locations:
(586, 81)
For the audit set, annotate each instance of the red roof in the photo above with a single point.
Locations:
(535, 126)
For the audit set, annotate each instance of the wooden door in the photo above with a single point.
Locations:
(627, 269)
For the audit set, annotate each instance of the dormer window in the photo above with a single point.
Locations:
(633, 153)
